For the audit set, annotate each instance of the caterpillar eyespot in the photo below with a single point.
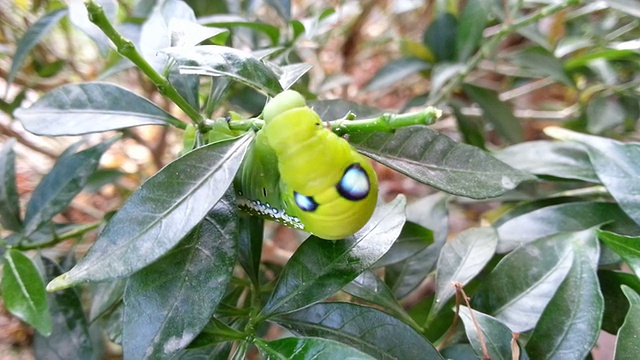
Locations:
(301, 174)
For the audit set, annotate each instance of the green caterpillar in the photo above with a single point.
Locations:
(303, 175)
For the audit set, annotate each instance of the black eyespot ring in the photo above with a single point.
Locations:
(354, 183)
(305, 203)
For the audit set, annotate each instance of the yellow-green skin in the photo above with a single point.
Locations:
(311, 160)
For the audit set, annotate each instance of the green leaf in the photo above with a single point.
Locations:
(472, 130)
(337, 109)
(412, 240)
(79, 17)
(9, 198)
(188, 33)
(213, 60)
(616, 305)
(77, 109)
(473, 20)
(604, 113)
(434, 159)
(292, 73)
(104, 296)
(321, 267)
(570, 324)
(430, 212)
(165, 208)
(366, 329)
(250, 245)
(31, 38)
(626, 246)
(395, 71)
(231, 21)
(169, 302)
(441, 35)
(23, 291)
(70, 338)
(520, 286)
(543, 64)
(496, 336)
(496, 111)
(549, 220)
(311, 348)
(65, 180)
(627, 345)
(564, 160)
(368, 287)
(461, 259)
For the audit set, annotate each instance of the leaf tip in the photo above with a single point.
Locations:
(59, 283)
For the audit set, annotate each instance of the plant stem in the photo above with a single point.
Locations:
(383, 123)
(490, 46)
(81, 230)
(126, 48)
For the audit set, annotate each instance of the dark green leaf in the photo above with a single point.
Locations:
(337, 109)
(520, 286)
(549, 220)
(187, 85)
(166, 207)
(615, 303)
(459, 352)
(430, 212)
(31, 38)
(320, 267)
(228, 20)
(436, 160)
(23, 291)
(65, 180)
(250, 245)
(461, 259)
(570, 324)
(104, 296)
(472, 129)
(560, 159)
(78, 109)
(412, 240)
(441, 35)
(496, 336)
(9, 199)
(497, 112)
(615, 163)
(604, 113)
(626, 246)
(366, 329)
(395, 71)
(543, 63)
(213, 60)
(368, 287)
(472, 22)
(70, 338)
(311, 348)
(169, 302)
(218, 352)
(627, 345)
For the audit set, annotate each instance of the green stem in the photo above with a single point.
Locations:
(490, 46)
(126, 48)
(383, 123)
(81, 230)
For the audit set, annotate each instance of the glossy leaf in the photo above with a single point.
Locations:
(461, 259)
(412, 240)
(368, 287)
(250, 245)
(311, 348)
(320, 267)
(31, 38)
(23, 291)
(70, 338)
(395, 71)
(430, 212)
(472, 130)
(604, 113)
(615, 163)
(213, 60)
(169, 302)
(533, 272)
(570, 324)
(77, 109)
(104, 296)
(292, 73)
(187, 33)
(436, 160)
(165, 208)
(549, 220)
(65, 180)
(366, 329)
(231, 21)
(616, 304)
(497, 112)
(626, 246)
(560, 159)
(496, 336)
(627, 346)
(440, 36)
(473, 19)
(9, 198)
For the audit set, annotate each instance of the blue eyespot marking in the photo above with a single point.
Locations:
(306, 203)
(354, 184)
